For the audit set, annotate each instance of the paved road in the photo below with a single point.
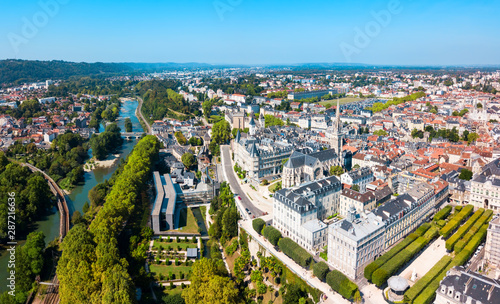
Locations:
(234, 182)
(476, 261)
(138, 113)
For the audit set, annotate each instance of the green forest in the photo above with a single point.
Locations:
(106, 142)
(30, 192)
(161, 100)
(63, 161)
(21, 71)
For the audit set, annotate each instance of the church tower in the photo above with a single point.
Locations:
(336, 136)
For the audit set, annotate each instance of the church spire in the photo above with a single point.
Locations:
(337, 121)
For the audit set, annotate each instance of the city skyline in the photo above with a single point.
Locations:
(252, 33)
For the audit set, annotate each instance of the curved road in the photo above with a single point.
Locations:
(138, 113)
(61, 201)
(234, 182)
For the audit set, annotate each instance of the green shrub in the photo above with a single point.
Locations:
(432, 233)
(422, 229)
(231, 249)
(341, 284)
(484, 219)
(258, 224)
(428, 294)
(295, 252)
(373, 266)
(381, 276)
(458, 209)
(441, 223)
(456, 221)
(320, 270)
(272, 234)
(443, 213)
(450, 243)
(412, 293)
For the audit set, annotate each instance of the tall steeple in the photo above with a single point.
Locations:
(336, 140)
(337, 121)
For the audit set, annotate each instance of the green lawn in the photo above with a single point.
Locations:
(187, 221)
(273, 186)
(174, 244)
(342, 100)
(165, 270)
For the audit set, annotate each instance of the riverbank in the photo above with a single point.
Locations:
(77, 197)
(93, 163)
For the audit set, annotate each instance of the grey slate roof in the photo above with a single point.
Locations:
(468, 284)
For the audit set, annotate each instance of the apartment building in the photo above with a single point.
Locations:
(355, 242)
(360, 177)
(463, 287)
(298, 212)
(492, 248)
(365, 236)
(485, 187)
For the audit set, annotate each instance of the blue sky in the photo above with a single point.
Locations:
(254, 31)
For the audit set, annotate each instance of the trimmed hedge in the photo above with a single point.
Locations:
(272, 234)
(422, 229)
(373, 266)
(341, 284)
(456, 221)
(258, 224)
(471, 246)
(432, 233)
(443, 213)
(428, 294)
(414, 291)
(295, 252)
(320, 270)
(381, 275)
(473, 230)
(441, 223)
(450, 243)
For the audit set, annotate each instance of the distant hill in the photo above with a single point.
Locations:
(21, 71)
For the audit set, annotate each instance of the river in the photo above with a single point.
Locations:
(79, 195)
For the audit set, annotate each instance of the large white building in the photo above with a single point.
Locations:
(298, 212)
(357, 240)
(485, 187)
(260, 158)
(492, 248)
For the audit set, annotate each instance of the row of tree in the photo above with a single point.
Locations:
(91, 269)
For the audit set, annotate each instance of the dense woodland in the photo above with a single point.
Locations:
(30, 261)
(106, 142)
(33, 197)
(90, 85)
(161, 100)
(63, 161)
(21, 71)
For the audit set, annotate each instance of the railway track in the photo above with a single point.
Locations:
(61, 201)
